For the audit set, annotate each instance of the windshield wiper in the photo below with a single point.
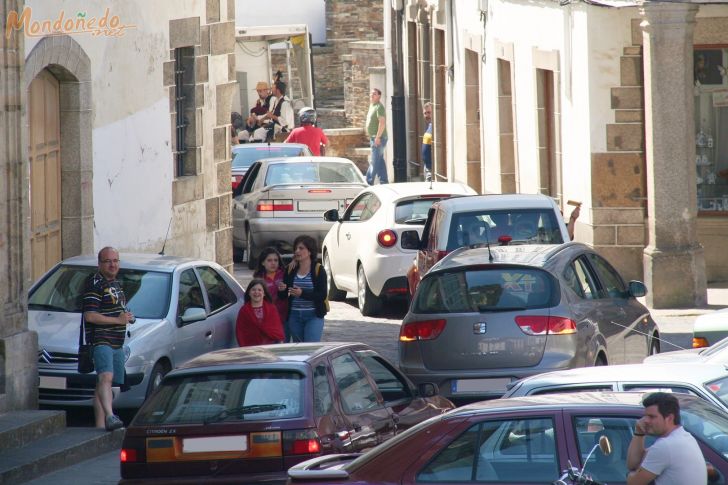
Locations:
(491, 308)
(43, 306)
(242, 410)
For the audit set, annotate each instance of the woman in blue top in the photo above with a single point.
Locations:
(305, 287)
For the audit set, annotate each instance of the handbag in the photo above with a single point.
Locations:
(85, 351)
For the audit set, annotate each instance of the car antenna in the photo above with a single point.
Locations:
(487, 241)
(161, 253)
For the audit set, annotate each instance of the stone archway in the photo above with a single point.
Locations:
(64, 58)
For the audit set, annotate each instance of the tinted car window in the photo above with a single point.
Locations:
(566, 390)
(612, 282)
(322, 172)
(485, 290)
(533, 226)
(322, 401)
(190, 292)
(584, 283)
(413, 211)
(218, 291)
(243, 157)
(147, 292)
(389, 383)
(607, 469)
(357, 394)
(502, 451)
(239, 396)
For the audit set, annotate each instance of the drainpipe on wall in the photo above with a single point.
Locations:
(399, 132)
(449, 40)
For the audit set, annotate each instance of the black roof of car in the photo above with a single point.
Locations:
(268, 354)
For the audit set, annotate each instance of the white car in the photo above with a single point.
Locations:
(362, 251)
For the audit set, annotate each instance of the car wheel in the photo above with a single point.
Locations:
(155, 378)
(655, 345)
(252, 251)
(238, 254)
(369, 304)
(334, 293)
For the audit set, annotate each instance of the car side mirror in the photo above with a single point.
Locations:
(409, 240)
(428, 389)
(331, 215)
(637, 289)
(194, 314)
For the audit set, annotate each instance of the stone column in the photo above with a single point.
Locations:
(673, 259)
(18, 346)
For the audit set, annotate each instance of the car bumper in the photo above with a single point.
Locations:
(65, 387)
(281, 231)
(386, 271)
(252, 479)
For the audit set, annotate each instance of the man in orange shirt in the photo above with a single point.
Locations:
(308, 133)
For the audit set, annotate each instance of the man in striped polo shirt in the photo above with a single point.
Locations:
(106, 316)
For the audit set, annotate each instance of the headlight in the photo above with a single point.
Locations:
(127, 353)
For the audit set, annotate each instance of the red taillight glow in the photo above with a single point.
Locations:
(306, 447)
(504, 240)
(265, 205)
(543, 325)
(301, 442)
(128, 455)
(424, 330)
(387, 238)
(319, 191)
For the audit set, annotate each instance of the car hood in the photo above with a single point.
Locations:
(689, 355)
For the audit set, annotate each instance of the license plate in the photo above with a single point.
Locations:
(317, 205)
(52, 382)
(461, 386)
(215, 444)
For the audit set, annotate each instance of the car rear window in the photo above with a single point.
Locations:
(218, 397)
(147, 292)
(484, 290)
(524, 226)
(312, 173)
(244, 157)
(413, 211)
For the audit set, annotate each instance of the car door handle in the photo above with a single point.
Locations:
(208, 334)
(357, 427)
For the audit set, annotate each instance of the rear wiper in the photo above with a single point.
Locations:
(242, 410)
(43, 306)
(491, 308)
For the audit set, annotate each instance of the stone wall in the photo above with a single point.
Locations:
(345, 142)
(364, 57)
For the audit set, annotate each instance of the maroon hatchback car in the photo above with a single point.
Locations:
(529, 440)
(247, 415)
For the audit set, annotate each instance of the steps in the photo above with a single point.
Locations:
(33, 443)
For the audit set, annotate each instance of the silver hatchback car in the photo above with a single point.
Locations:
(183, 308)
(484, 317)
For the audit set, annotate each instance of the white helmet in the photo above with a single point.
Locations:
(307, 115)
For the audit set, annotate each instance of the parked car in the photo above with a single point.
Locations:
(707, 381)
(710, 328)
(246, 153)
(484, 317)
(520, 441)
(283, 198)
(183, 308)
(247, 415)
(363, 252)
(715, 354)
(495, 219)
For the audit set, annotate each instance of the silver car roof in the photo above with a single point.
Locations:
(497, 201)
(146, 261)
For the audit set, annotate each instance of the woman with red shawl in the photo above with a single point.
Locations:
(258, 321)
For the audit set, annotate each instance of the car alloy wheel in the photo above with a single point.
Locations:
(155, 378)
(369, 303)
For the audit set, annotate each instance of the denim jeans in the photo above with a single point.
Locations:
(377, 167)
(305, 326)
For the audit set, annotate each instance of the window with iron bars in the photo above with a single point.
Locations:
(184, 102)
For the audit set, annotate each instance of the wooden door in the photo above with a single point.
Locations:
(45, 173)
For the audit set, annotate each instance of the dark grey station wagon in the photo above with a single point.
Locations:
(484, 317)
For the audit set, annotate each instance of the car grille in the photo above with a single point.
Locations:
(45, 357)
(68, 395)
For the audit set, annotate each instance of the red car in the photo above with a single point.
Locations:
(519, 441)
(247, 415)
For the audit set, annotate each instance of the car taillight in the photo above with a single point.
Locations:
(504, 240)
(700, 342)
(265, 205)
(441, 254)
(424, 330)
(319, 191)
(301, 442)
(128, 455)
(543, 325)
(387, 238)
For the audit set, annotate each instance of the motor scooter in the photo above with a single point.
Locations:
(575, 476)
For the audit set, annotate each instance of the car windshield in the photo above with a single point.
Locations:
(243, 157)
(524, 226)
(147, 292)
(414, 211)
(225, 397)
(717, 351)
(312, 173)
(485, 290)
